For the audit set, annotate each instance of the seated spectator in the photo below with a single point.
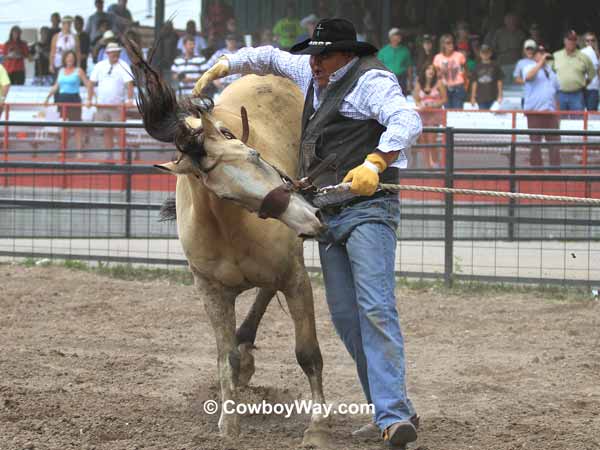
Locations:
(541, 88)
(62, 42)
(425, 53)
(506, 43)
(41, 56)
(308, 23)
(121, 16)
(4, 87)
(287, 29)
(187, 69)
(486, 87)
(231, 47)
(430, 94)
(92, 27)
(591, 51)
(190, 31)
(84, 42)
(15, 52)
(66, 90)
(575, 71)
(396, 57)
(451, 68)
(113, 79)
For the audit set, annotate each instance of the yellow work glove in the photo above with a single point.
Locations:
(365, 177)
(219, 70)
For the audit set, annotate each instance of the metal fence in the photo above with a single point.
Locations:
(54, 206)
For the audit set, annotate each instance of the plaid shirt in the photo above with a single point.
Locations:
(376, 95)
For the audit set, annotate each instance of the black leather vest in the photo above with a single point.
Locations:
(327, 132)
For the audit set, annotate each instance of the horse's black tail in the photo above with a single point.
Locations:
(168, 210)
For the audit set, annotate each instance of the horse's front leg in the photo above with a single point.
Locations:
(219, 303)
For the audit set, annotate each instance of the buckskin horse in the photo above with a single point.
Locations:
(221, 179)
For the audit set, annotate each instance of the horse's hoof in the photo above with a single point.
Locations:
(318, 437)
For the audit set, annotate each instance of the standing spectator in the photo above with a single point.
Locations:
(15, 52)
(113, 78)
(93, 28)
(55, 24)
(41, 55)
(167, 49)
(425, 53)
(575, 71)
(66, 88)
(217, 15)
(535, 33)
(100, 42)
(529, 48)
(486, 86)
(308, 23)
(4, 87)
(506, 43)
(396, 57)
(591, 51)
(188, 67)
(190, 31)
(287, 29)
(430, 95)
(451, 67)
(462, 37)
(62, 42)
(541, 88)
(84, 42)
(121, 16)
(267, 38)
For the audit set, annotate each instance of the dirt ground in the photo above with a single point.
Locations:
(90, 362)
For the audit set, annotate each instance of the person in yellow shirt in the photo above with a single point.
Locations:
(287, 29)
(4, 86)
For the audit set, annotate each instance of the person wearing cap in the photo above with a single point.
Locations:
(114, 83)
(355, 114)
(486, 86)
(529, 48)
(541, 89)
(396, 57)
(425, 53)
(575, 71)
(61, 42)
(591, 51)
(308, 23)
(287, 29)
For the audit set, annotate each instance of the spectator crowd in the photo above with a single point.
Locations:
(457, 70)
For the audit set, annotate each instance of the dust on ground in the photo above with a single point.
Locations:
(91, 362)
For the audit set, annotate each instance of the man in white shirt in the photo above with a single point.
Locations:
(113, 78)
(187, 68)
(591, 91)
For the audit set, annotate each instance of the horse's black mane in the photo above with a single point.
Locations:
(164, 116)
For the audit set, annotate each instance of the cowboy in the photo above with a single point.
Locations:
(354, 114)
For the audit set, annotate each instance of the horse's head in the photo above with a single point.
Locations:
(233, 171)
(211, 153)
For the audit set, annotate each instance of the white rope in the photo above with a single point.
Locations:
(345, 187)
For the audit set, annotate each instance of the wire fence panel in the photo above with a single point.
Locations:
(63, 207)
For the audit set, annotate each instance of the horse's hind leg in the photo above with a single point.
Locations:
(219, 303)
(246, 334)
(299, 298)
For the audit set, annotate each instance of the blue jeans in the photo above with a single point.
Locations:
(591, 99)
(485, 105)
(571, 101)
(357, 257)
(456, 97)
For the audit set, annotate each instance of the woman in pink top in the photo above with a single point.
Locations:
(451, 67)
(430, 96)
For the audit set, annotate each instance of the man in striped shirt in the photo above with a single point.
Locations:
(187, 68)
(354, 114)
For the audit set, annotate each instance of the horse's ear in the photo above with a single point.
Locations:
(245, 125)
(210, 129)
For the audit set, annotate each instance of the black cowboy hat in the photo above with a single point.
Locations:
(333, 35)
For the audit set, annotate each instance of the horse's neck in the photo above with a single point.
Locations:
(206, 205)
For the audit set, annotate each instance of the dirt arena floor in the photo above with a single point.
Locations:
(90, 362)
